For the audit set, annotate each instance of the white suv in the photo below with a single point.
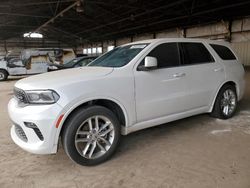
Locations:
(132, 87)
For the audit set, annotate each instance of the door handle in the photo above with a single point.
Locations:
(218, 70)
(178, 75)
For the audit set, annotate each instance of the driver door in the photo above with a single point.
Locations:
(161, 92)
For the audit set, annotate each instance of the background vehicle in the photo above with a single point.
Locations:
(74, 63)
(33, 61)
(132, 87)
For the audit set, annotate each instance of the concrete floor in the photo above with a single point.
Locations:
(195, 152)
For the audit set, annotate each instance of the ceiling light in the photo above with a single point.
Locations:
(79, 9)
(32, 35)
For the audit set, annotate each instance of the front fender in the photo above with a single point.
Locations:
(3, 65)
(73, 105)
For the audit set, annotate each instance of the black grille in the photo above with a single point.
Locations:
(20, 95)
(20, 133)
(35, 128)
(38, 133)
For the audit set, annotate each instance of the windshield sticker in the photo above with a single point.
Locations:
(138, 46)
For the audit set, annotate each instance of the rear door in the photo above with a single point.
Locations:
(203, 74)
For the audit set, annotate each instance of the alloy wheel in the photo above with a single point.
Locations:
(228, 102)
(94, 137)
(2, 76)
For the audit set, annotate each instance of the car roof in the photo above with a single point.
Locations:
(179, 40)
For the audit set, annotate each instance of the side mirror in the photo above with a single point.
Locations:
(150, 63)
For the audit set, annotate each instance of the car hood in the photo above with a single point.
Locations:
(56, 79)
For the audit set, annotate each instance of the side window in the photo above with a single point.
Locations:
(89, 61)
(195, 53)
(224, 52)
(82, 63)
(167, 55)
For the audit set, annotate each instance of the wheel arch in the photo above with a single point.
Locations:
(229, 82)
(5, 71)
(116, 107)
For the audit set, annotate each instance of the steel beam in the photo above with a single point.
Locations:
(137, 15)
(55, 17)
(175, 19)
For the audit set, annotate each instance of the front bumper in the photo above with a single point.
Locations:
(44, 117)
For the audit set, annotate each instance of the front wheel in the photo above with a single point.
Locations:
(225, 103)
(91, 135)
(3, 75)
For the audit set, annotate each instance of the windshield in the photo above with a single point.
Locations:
(119, 56)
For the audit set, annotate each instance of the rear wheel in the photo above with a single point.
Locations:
(3, 75)
(91, 135)
(225, 103)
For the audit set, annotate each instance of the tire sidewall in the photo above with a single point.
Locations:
(220, 97)
(5, 75)
(73, 124)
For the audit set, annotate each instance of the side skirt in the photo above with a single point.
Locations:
(162, 120)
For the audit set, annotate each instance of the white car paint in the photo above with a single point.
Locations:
(147, 98)
(3, 64)
(20, 69)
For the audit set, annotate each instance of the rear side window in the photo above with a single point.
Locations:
(224, 52)
(167, 55)
(195, 53)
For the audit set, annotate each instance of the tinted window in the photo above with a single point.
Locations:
(84, 62)
(167, 55)
(71, 63)
(119, 56)
(224, 52)
(195, 53)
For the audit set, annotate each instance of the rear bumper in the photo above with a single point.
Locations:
(241, 89)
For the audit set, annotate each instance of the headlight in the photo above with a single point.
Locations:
(42, 97)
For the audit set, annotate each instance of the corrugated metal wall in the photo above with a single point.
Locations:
(239, 35)
(242, 50)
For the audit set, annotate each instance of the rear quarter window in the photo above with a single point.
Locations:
(224, 52)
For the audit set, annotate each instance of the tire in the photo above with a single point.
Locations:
(79, 139)
(3, 75)
(219, 109)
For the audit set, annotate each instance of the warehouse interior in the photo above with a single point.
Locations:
(86, 25)
(195, 152)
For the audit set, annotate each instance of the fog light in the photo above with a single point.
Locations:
(35, 128)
